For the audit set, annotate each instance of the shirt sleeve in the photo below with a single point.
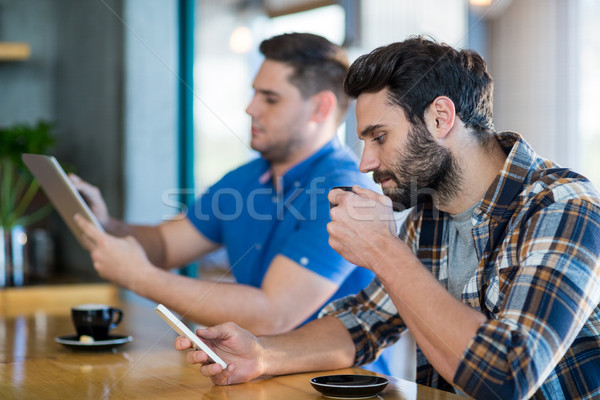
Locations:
(308, 243)
(371, 318)
(551, 285)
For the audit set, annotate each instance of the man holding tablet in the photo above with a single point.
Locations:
(277, 243)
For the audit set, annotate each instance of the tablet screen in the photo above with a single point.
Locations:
(60, 191)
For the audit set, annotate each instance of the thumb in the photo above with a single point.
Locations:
(211, 333)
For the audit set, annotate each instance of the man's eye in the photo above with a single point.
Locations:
(379, 139)
(271, 100)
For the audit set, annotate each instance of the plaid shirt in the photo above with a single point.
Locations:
(537, 236)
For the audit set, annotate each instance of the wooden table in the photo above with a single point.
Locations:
(34, 366)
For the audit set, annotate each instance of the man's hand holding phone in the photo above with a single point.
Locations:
(244, 352)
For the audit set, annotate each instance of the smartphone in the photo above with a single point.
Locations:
(183, 330)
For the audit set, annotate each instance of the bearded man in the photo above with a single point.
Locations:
(496, 269)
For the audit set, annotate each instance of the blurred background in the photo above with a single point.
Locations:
(147, 97)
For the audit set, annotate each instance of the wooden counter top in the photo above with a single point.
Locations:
(34, 366)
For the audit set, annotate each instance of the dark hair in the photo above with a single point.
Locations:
(418, 70)
(318, 64)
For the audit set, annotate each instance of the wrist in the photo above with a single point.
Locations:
(116, 227)
(267, 357)
(386, 248)
(144, 277)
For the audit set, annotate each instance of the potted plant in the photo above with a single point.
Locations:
(17, 191)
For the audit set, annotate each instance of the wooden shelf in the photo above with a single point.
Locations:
(13, 51)
(27, 300)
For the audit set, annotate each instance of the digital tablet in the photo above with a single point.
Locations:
(60, 191)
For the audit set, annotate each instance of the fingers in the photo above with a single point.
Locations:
(336, 195)
(211, 333)
(92, 196)
(182, 343)
(80, 184)
(209, 368)
(87, 190)
(222, 331)
(373, 196)
(350, 200)
(367, 193)
(194, 357)
(88, 228)
(332, 196)
(88, 243)
(74, 178)
(219, 376)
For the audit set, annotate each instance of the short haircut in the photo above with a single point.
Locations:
(418, 70)
(318, 64)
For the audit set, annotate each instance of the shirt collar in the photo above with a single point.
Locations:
(521, 162)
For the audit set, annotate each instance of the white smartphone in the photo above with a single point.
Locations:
(183, 330)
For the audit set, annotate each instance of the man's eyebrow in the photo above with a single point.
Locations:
(266, 92)
(369, 130)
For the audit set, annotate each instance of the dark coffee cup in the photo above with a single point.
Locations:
(95, 320)
(344, 188)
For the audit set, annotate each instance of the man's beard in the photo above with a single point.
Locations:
(280, 152)
(423, 172)
(276, 154)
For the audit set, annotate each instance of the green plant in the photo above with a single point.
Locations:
(17, 186)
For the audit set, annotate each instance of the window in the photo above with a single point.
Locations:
(227, 58)
(589, 83)
(228, 34)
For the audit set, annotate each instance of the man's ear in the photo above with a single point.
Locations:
(440, 116)
(325, 104)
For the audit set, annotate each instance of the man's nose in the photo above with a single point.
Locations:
(251, 108)
(369, 160)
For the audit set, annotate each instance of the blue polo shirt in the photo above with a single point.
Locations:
(255, 222)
